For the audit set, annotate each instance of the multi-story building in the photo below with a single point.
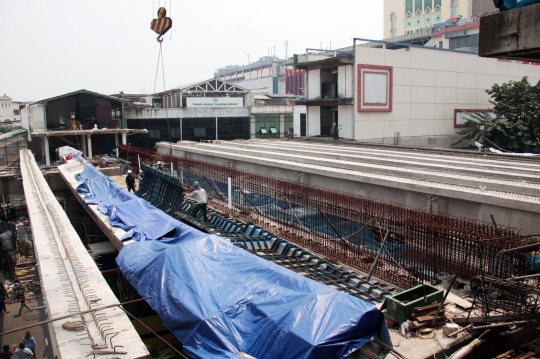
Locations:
(271, 78)
(402, 94)
(9, 111)
(268, 75)
(403, 17)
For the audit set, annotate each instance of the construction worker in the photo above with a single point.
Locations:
(130, 181)
(201, 199)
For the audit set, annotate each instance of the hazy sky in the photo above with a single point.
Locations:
(51, 47)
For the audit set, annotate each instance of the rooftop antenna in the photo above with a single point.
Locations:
(286, 48)
(249, 62)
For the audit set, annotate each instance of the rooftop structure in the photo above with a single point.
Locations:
(73, 119)
(408, 94)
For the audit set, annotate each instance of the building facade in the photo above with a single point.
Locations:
(10, 111)
(403, 17)
(407, 94)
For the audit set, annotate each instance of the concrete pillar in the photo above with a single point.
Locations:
(115, 140)
(89, 139)
(124, 138)
(83, 146)
(281, 125)
(46, 148)
(252, 127)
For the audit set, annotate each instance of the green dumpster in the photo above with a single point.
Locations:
(402, 304)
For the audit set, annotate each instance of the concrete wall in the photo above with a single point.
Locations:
(258, 85)
(296, 118)
(346, 121)
(345, 89)
(313, 122)
(313, 84)
(428, 85)
(36, 117)
(186, 113)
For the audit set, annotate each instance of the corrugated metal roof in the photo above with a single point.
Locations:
(83, 91)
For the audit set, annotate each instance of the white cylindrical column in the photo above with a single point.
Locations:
(230, 192)
(89, 142)
(47, 154)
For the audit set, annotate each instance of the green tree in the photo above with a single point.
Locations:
(516, 124)
(6, 128)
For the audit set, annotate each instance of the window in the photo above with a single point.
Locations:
(175, 132)
(16, 112)
(154, 133)
(199, 132)
(263, 130)
(273, 130)
(440, 44)
(408, 8)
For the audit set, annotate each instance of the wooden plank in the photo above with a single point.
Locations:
(460, 302)
(426, 318)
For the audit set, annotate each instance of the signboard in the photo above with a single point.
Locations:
(215, 101)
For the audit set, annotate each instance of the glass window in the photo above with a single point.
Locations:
(154, 133)
(273, 130)
(199, 132)
(408, 7)
(417, 6)
(16, 112)
(437, 5)
(263, 130)
(428, 5)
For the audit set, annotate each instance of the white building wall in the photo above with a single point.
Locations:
(313, 84)
(428, 85)
(7, 111)
(296, 118)
(345, 81)
(313, 121)
(261, 85)
(346, 121)
(36, 117)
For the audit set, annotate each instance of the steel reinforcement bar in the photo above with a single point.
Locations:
(347, 228)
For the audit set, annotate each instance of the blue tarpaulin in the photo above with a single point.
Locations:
(220, 300)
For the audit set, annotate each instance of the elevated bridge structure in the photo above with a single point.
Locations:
(459, 183)
(71, 281)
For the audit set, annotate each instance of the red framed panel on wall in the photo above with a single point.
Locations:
(460, 116)
(375, 85)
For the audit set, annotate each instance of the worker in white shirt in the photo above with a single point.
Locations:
(201, 199)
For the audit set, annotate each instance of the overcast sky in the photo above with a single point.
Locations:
(51, 47)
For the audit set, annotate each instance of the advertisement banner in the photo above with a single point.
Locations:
(215, 101)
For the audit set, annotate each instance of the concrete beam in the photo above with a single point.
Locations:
(513, 34)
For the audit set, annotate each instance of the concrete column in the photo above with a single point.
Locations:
(47, 154)
(252, 127)
(124, 138)
(115, 140)
(83, 146)
(281, 125)
(89, 139)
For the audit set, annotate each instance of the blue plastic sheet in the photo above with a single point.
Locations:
(220, 300)
(514, 4)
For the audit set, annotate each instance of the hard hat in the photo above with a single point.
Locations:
(195, 183)
(129, 171)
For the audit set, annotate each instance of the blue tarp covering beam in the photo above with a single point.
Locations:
(220, 300)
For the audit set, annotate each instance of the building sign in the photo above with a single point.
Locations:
(215, 101)
(375, 85)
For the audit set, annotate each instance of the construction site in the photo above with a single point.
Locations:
(379, 224)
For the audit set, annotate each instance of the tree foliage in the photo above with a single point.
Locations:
(6, 128)
(515, 126)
